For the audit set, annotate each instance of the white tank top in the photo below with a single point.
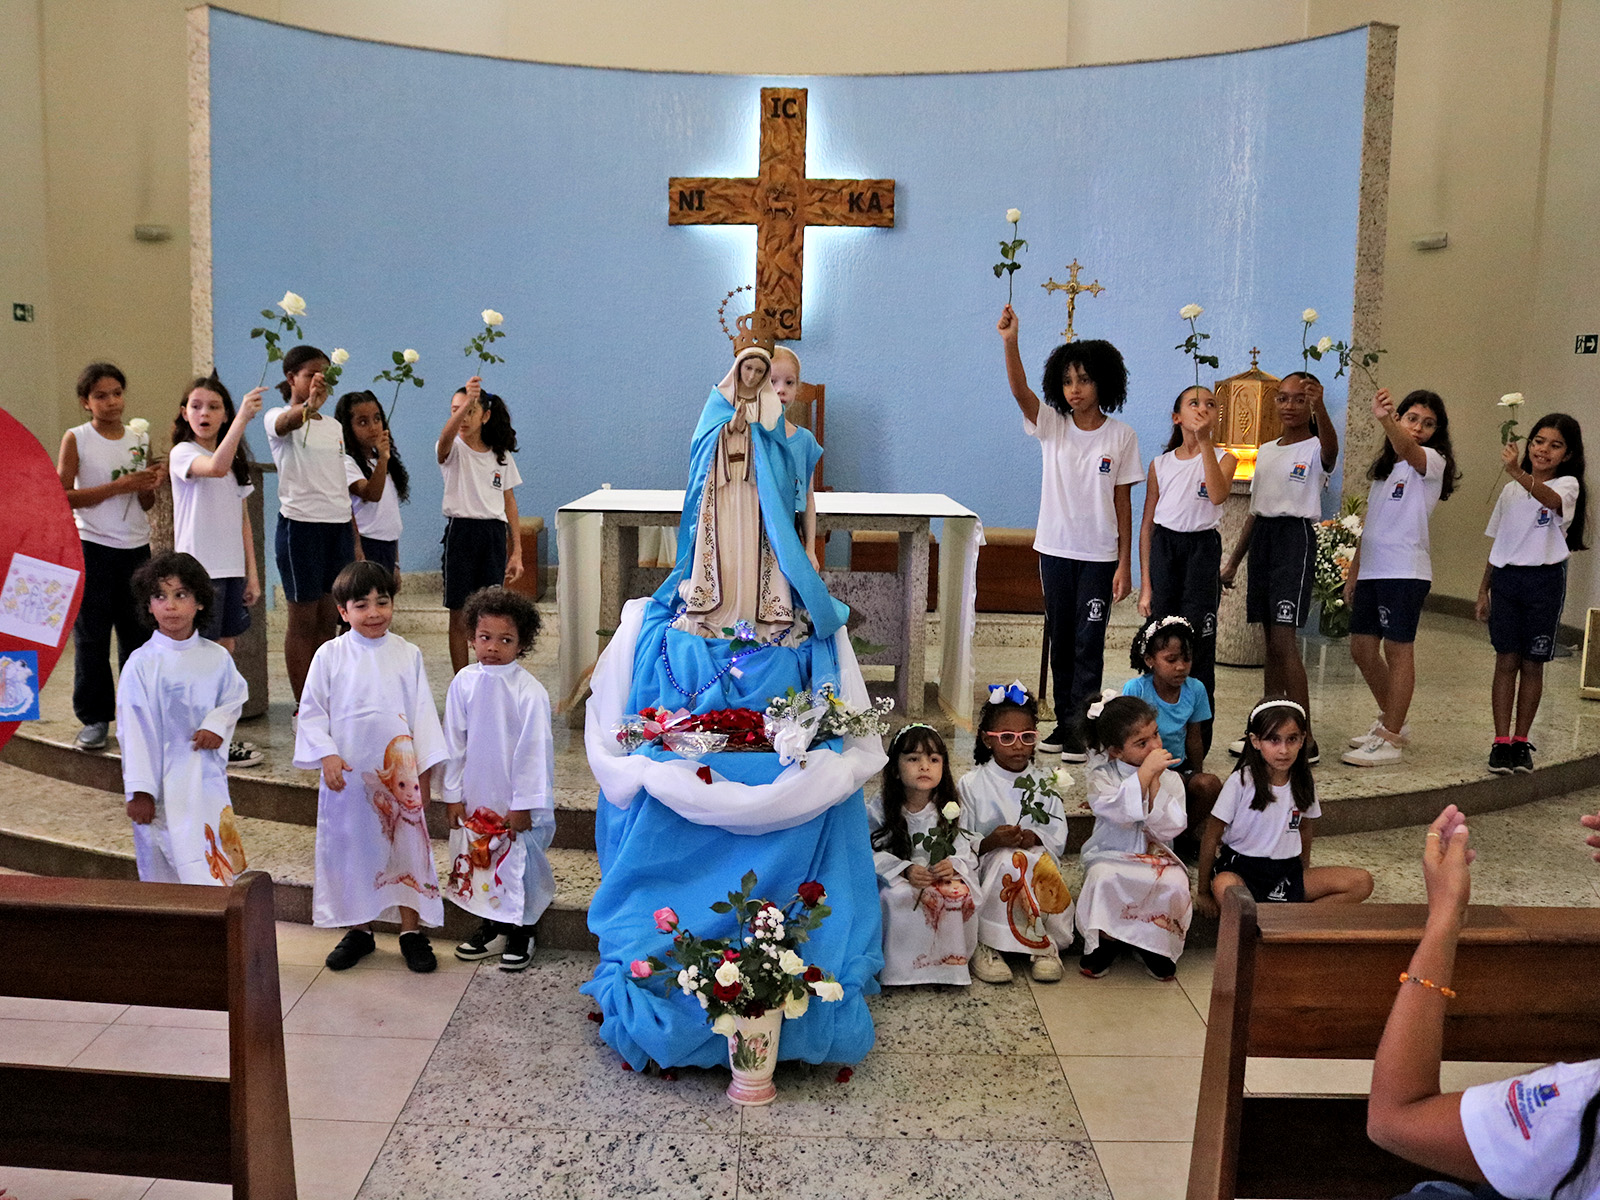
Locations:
(118, 522)
(1183, 504)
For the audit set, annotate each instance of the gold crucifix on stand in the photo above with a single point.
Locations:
(1072, 287)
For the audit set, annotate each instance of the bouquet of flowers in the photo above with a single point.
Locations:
(1337, 539)
(737, 729)
(755, 969)
(796, 721)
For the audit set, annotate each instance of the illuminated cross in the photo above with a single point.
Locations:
(1072, 287)
(780, 203)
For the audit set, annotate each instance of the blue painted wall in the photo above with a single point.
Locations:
(400, 191)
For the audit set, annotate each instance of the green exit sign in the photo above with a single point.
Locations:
(22, 312)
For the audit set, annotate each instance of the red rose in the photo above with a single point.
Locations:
(730, 956)
(844, 1074)
(813, 974)
(727, 992)
(811, 893)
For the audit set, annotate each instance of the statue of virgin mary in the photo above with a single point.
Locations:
(668, 836)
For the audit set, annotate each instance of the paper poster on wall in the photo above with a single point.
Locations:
(19, 685)
(36, 599)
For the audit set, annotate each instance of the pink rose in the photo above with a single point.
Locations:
(666, 920)
(640, 969)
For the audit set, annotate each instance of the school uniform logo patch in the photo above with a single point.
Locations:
(1540, 645)
(1097, 610)
(1294, 820)
(1280, 892)
(1300, 472)
(1526, 1103)
(1399, 490)
(1208, 625)
(1544, 518)
(1105, 464)
(1286, 613)
(1383, 616)
(496, 483)
(1202, 494)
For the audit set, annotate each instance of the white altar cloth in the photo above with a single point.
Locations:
(579, 525)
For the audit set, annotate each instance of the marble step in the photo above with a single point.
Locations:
(50, 827)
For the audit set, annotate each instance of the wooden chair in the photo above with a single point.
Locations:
(175, 946)
(1317, 981)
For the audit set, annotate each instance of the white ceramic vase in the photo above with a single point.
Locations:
(753, 1055)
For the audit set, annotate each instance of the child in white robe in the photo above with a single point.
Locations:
(499, 782)
(1135, 890)
(1025, 906)
(177, 702)
(930, 926)
(367, 721)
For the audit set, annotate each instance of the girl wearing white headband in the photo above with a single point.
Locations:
(1259, 832)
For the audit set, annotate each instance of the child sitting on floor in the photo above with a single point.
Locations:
(499, 781)
(1259, 833)
(366, 711)
(177, 703)
(927, 868)
(1025, 906)
(1135, 891)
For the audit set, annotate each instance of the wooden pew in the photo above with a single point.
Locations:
(175, 946)
(1317, 981)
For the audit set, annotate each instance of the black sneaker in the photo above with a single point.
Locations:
(1159, 966)
(1313, 754)
(519, 950)
(1052, 744)
(1065, 741)
(352, 948)
(417, 950)
(1522, 757)
(486, 941)
(1097, 964)
(242, 754)
(1503, 759)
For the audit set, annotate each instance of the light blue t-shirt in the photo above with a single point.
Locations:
(1173, 720)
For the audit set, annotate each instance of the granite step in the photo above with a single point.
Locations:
(50, 827)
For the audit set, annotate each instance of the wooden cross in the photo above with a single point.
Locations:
(780, 203)
(1072, 287)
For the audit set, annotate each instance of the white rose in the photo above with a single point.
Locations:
(1190, 311)
(728, 974)
(1511, 400)
(490, 317)
(795, 1006)
(139, 425)
(828, 989)
(686, 982)
(1309, 316)
(410, 356)
(1352, 522)
(1013, 215)
(791, 963)
(292, 305)
(1062, 779)
(1325, 345)
(950, 811)
(339, 357)
(724, 1025)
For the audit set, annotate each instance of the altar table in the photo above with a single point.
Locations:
(597, 538)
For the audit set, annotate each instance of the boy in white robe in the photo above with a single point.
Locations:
(930, 927)
(499, 781)
(1135, 889)
(367, 722)
(178, 699)
(1025, 906)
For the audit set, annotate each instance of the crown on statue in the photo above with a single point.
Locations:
(752, 334)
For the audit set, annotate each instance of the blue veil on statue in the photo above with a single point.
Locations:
(667, 837)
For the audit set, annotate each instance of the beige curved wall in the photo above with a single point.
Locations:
(1496, 142)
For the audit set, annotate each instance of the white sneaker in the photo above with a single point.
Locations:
(988, 966)
(1046, 968)
(1375, 751)
(1361, 738)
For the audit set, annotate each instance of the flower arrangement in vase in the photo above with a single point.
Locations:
(1337, 539)
(748, 982)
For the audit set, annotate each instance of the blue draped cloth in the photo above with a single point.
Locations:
(652, 858)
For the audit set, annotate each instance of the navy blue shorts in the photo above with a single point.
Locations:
(310, 556)
(1388, 608)
(1282, 564)
(1525, 609)
(1274, 880)
(228, 616)
(385, 554)
(474, 557)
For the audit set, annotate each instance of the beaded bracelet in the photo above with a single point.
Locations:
(1407, 977)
